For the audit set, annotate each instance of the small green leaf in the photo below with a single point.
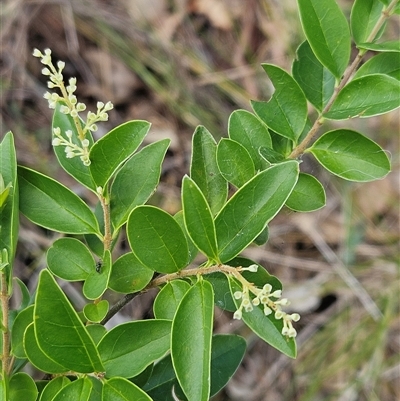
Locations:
(366, 96)
(263, 237)
(21, 322)
(193, 250)
(22, 387)
(126, 358)
(387, 46)
(234, 162)
(198, 218)
(271, 156)
(78, 390)
(53, 387)
(25, 295)
(129, 274)
(136, 181)
(351, 156)
(120, 389)
(383, 63)
(222, 295)
(307, 195)
(249, 210)
(58, 329)
(286, 111)
(110, 151)
(70, 259)
(328, 33)
(96, 282)
(245, 128)
(169, 298)
(191, 341)
(157, 239)
(95, 313)
(316, 81)
(363, 18)
(204, 170)
(49, 204)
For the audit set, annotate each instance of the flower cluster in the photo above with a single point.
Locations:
(271, 302)
(72, 107)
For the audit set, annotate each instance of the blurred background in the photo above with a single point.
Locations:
(180, 63)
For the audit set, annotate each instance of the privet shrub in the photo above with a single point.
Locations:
(175, 355)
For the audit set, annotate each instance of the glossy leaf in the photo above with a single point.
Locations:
(246, 214)
(222, 294)
(366, 96)
(328, 33)
(124, 357)
(169, 298)
(307, 195)
(271, 156)
(73, 166)
(110, 151)
(286, 111)
(129, 274)
(120, 389)
(263, 237)
(383, 63)
(204, 169)
(58, 329)
(193, 250)
(49, 204)
(267, 328)
(245, 128)
(387, 46)
(157, 239)
(78, 390)
(21, 322)
(96, 312)
(316, 81)
(136, 181)
(96, 282)
(198, 219)
(22, 387)
(96, 331)
(351, 156)
(363, 18)
(26, 298)
(191, 341)
(70, 259)
(234, 162)
(53, 387)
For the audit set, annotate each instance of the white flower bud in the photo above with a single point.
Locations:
(57, 131)
(64, 109)
(68, 133)
(37, 53)
(56, 142)
(237, 315)
(295, 317)
(60, 65)
(85, 143)
(237, 294)
(100, 105)
(46, 71)
(70, 155)
(74, 113)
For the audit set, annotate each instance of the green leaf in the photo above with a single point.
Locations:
(110, 151)
(245, 128)
(316, 81)
(234, 162)
(96, 282)
(193, 250)
(286, 111)
(271, 156)
(387, 46)
(169, 298)
(198, 219)
(126, 358)
(26, 298)
(351, 156)
(249, 210)
(78, 390)
(73, 166)
(363, 18)
(222, 295)
(383, 63)
(191, 341)
(263, 237)
(22, 387)
(129, 275)
(53, 387)
(70, 259)
(328, 33)
(267, 328)
(204, 169)
(366, 96)
(58, 329)
(96, 312)
(49, 204)
(307, 195)
(119, 389)
(136, 181)
(157, 239)
(21, 322)
(96, 331)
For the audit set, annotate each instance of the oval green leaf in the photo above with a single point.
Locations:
(78, 390)
(49, 204)
(22, 387)
(95, 313)
(70, 259)
(21, 322)
(124, 357)
(53, 387)
(366, 96)
(249, 210)
(157, 239)
(383, 63)
(387, 46)
(97, 281)
(120, 389)
(351, 156)
(110, 151)
(191, 341)
(286, 111)
(193, 250)
(363, 18)
(307, 195)
(328, 33)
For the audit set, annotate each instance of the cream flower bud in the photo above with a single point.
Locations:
(68, 133)
(295, 317)
(85, 143)
(70, 155)
(46, 71)
(56, 142)
(37, 53)
(57, 131)
(237, 294)
(237, 315)
(60, 65)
